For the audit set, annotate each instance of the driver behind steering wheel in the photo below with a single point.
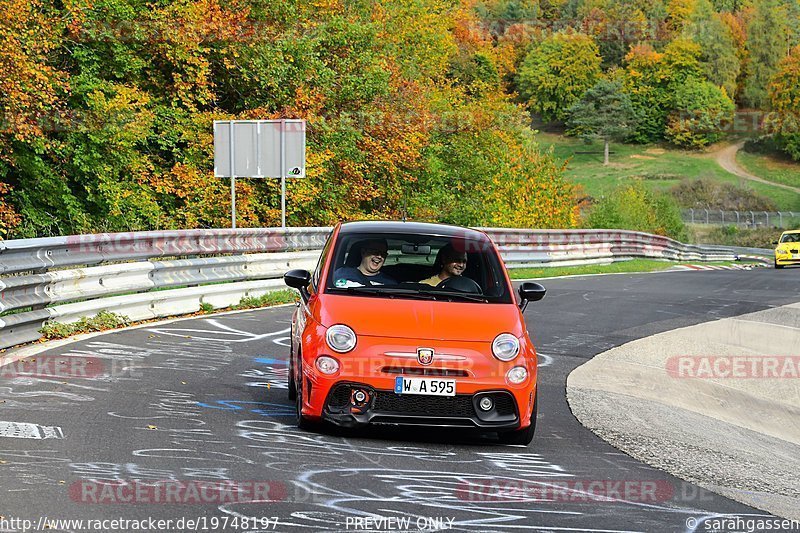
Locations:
(450, 263)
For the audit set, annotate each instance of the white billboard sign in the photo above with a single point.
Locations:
(260, 148)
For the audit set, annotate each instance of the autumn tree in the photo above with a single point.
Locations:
(718, 57)
(652, 78)
(766, 45)
(784, 93)
(109, 106)
(678, 13)
(603, 112)
(557, 71)
(700, 112)
(615, 25)
(9, 218)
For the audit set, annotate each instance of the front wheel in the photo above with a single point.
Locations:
(777, 265)
(290, 382)
(302, 421)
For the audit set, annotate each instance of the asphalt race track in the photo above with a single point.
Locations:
(204, 401)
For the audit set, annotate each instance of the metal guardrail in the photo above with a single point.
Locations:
(62, 278)
(752, 219)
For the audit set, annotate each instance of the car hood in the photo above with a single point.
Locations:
(420, 319)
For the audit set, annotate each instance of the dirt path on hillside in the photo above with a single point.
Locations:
(726, 158)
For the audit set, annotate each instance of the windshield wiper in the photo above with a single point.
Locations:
(459, 295)
(389, 291)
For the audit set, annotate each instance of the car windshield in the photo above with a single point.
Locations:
(791, 237)
(431, 267)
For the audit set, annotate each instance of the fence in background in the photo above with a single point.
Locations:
(145, 275)
(751, 219)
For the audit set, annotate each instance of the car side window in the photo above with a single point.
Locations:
(321, 263)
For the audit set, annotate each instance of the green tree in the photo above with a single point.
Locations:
(767, 45)
(718, 57)
(700, 111)
(634, 207)
(557, 71)
(604, 112)
(652, 78)
(784, 92)
(615, 25)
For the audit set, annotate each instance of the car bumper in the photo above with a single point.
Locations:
(384, 406)
(787, 260)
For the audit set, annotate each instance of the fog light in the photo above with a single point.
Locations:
(517, 375)
(359, 401)
(327, 365)
(486, 404)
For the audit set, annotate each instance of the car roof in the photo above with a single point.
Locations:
(791, 231)
(424, 228)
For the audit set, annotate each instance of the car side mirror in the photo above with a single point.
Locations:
(298, 279)
(774, 242)
(530, 292)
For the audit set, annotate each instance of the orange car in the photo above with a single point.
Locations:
(411, 323)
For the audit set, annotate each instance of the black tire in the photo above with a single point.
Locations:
(523, 436)
(292, 393)
(302, 422)
(777, 265)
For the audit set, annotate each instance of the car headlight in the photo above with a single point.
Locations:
(327, 365)
(341, 338)
(505, 346)
(517, 375)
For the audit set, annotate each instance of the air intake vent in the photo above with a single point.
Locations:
(425, 371)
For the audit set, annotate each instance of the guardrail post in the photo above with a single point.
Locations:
(722, 214)
(692, 210)
(737, 217)
(780, 219)
(707, 215)
(767, 214)
(753, 218)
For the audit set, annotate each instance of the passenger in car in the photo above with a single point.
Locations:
(450, 262)
(368, 272)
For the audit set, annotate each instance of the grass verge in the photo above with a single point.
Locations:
(659, 167)
(770, 168)
(632, 266)
(102, 321)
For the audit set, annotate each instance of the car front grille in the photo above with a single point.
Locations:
(440, 406)
(413, 371)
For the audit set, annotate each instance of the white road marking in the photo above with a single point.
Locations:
(26, 430)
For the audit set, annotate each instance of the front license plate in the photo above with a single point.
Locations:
(429, 386)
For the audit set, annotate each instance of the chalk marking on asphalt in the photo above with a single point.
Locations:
(544, 360)
(245, 336)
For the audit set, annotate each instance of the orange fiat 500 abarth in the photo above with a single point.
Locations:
(417, 324)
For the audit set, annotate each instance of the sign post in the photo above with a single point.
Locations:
(259, 149)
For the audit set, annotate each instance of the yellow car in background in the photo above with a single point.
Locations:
(787, 251)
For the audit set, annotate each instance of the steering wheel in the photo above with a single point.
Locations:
(461, 284)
